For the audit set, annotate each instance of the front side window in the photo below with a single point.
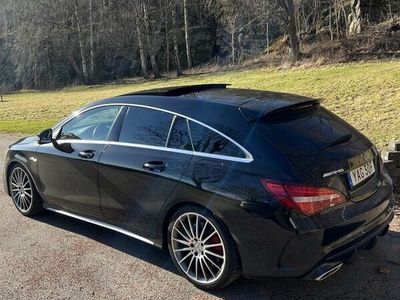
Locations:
(94, 124)
(209, 141)
(179, 137)
(146, 127)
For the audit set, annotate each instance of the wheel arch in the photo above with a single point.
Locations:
(170, 212)
(9, 167)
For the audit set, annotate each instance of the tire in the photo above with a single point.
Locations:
(189, 247)
(23, 191)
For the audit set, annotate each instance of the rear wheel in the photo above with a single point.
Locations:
(202, 249)
(23, 192)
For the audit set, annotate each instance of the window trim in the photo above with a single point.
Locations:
(249, 158)
(170, 130)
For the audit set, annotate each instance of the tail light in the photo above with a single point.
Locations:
(307, 200)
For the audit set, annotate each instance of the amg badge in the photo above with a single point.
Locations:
(333, 173)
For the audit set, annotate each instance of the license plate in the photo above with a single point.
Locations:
(360, 174)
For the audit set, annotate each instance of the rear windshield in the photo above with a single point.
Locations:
(307, 132)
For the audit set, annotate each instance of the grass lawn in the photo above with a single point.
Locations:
(367, 95)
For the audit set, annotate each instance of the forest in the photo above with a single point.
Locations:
(49, 44)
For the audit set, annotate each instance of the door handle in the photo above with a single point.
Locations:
(87, 154)
(155, 166)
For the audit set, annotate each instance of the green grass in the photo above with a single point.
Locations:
(367, 95)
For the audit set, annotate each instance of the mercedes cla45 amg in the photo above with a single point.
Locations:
(231, 181)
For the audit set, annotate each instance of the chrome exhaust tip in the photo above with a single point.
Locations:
(329, 272)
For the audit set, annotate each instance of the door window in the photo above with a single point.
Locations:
(179, 137)
(146, 127)
(208, 141)
(94, 124)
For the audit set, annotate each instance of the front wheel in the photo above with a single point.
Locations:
(202, 249)
(23, 192)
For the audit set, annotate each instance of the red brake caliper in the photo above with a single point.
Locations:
(216, 240)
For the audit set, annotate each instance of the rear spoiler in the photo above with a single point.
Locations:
(257, 109)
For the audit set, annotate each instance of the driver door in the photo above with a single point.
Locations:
(68, 168)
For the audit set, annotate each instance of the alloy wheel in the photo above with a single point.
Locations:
(21, 189)
(198, 248)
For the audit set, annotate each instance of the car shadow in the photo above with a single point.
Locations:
(352, 281)
(110, 238)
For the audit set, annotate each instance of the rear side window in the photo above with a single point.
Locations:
(209, 141)
(145, 126)
(307, 132)
(179, 136)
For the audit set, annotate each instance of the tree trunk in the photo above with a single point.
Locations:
(268, 37)
(142, 52)
(346, 24)
(175, 41)
(288, 5)
(330, 21)
(337, 17)
(91, 41)
(187, 40)
(150, 43)
(233, 48)
(153, 60)
(81, 45)
(233, 31)
(74, 65)
(166, 45)
(355, 18)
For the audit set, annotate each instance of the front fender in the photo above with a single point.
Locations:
(28, 160)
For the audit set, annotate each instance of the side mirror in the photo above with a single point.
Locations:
(45, 136)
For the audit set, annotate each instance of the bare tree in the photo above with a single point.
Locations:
(175, 41)
(290, 18)
(48, 44)
(187, 39)
(355, 17)
(81, 42)
(91, 39)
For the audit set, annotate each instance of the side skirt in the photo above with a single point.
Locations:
(102, 224)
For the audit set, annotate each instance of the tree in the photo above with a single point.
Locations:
(48, 44)
(355, 17)
(290, 20)
(187, 39)
(81, 43)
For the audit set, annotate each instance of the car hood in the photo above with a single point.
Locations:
(25, 140)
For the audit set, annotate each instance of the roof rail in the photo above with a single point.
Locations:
(179, 90)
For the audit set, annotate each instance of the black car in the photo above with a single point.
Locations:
(232, 181)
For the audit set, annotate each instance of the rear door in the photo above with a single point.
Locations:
(139, 171)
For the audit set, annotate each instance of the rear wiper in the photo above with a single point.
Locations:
(340, 140)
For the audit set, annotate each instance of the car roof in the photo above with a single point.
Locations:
(225, 109)
(212, 100)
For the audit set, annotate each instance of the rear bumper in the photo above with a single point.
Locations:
(334, 260)
(317, 244)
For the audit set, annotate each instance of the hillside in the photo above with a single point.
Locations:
(367, 95)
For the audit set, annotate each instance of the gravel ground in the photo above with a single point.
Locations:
(52, 256)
